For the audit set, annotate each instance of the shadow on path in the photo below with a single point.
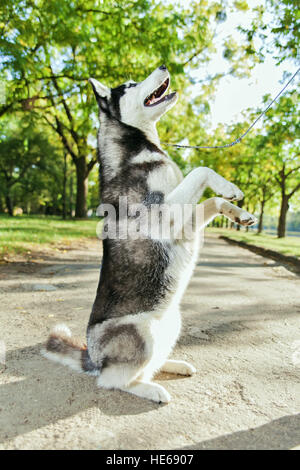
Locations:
(282, 433)
(30, 405)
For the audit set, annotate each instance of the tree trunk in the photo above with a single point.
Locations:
(64, 187)
(82, 187)
(261, 217)
(71, 196)
(282, 218)
(9, 204)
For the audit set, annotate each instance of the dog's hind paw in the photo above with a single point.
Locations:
(161, 395)
(187, 369)
(149, 390)
(178, 367)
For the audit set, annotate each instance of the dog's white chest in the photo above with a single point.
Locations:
(164, 178)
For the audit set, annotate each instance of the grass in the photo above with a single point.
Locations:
(287, 246)
(23, 234)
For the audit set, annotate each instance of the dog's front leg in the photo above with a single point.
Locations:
(215, 206)
(190, 190)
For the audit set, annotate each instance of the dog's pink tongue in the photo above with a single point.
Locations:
(155, 100)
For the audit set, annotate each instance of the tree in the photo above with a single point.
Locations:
(50, 49)
(25, 152)
(282, 140)
(284, 178)
(279, 32)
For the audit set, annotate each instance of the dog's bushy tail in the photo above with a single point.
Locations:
(64, 349)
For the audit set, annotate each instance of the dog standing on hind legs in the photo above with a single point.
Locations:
(135, 319)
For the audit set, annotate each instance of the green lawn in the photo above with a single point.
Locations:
(287, 246)
(23, 234)
(26, 234)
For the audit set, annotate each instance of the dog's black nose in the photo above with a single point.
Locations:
(162, 67)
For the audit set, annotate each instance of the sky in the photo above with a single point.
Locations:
(234, 95)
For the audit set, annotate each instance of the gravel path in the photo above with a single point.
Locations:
(241, 331)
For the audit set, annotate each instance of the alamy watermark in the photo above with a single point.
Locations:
(156, 221)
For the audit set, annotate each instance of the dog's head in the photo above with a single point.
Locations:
(136, 104)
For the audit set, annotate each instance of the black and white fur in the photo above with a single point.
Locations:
(135, 320)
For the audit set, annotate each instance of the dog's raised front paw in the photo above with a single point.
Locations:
(231, 192)
(246, 219)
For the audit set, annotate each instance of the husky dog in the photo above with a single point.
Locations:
(135, 319)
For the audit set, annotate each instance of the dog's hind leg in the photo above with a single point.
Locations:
(178, 367)
(126, 349)
(124, 377)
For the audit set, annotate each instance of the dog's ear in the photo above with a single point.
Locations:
(100, 90)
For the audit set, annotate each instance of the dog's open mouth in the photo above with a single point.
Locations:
(157, 96)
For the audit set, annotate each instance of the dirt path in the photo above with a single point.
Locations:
(241, 331)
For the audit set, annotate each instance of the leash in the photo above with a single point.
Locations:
(243, 135)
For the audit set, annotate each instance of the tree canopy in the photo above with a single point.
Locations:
(48, 119)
